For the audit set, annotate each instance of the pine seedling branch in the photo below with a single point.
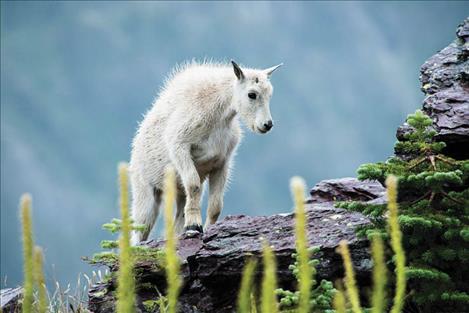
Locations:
(433, 198)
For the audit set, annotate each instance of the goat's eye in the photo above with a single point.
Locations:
(252, 95)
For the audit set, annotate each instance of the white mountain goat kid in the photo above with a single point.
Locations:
(193, 126)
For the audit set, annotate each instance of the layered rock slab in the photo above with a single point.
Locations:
(212, 263)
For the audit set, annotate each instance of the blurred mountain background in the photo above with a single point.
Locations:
(76, 78)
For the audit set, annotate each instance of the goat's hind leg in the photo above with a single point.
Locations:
(181, 203)
(145, 207)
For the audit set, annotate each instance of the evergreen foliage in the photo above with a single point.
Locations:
(116, 226)
(321, 295)
(125, 278)
(140, 253)
(28, 263)
(434, 218)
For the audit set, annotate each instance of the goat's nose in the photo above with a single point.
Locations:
(268, 125)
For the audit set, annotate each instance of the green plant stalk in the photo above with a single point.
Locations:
(269, 281)
(245, 291)
(305, 276)
(39, 280)
(350, 283)
(28, 270)
(172, 259)
(396, 244)
(253, 303)
(339, 302)
(125, 279)
(378, 297)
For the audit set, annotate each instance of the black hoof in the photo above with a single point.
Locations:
(197, 228)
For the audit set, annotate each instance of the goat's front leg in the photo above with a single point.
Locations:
(182, 161)
(217, 180)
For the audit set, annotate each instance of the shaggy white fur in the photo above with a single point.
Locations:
(193, 126)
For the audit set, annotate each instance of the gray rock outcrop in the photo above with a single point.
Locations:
(213, 262)
(445, 82)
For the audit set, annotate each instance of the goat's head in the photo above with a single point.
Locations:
(251, 97)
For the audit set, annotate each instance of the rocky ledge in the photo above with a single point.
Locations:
(213, 262)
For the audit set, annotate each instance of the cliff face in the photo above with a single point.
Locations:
(213, 262)
(445, 82)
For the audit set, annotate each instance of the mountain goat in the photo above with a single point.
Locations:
(193, 126)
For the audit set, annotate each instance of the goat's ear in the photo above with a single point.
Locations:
(237, 70)
(270, 70)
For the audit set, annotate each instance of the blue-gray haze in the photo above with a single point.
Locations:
(76, 78)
